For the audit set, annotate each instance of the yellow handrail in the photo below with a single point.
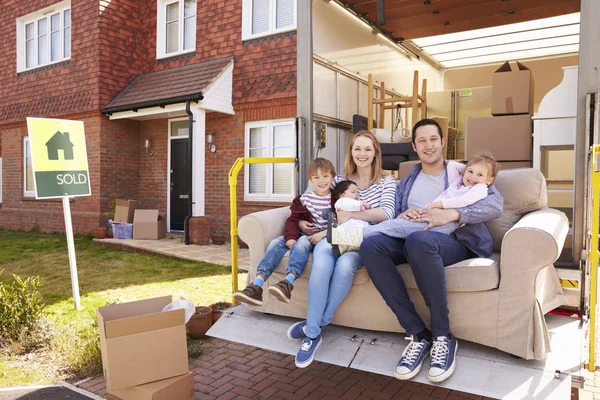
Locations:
(593, 256)
(233, 173)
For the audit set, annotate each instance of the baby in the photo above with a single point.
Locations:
(467, 184)
(344, 196)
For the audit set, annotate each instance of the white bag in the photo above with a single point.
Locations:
(185, 304)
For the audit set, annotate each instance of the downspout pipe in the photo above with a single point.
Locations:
(186, 221)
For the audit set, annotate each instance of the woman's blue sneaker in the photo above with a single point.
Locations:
(412, 358)
(443, 358)
(296, 331)
(306, 354)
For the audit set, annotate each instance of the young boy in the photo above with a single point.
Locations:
(308, 207)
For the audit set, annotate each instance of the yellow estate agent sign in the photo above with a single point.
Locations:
(59, 158)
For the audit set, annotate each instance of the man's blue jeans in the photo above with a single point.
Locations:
(275, 252)
(427, 253)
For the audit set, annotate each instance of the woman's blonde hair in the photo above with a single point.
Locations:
(376, 170)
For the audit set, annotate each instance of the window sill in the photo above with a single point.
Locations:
(268, 36)
(265, 203)
(42, 68)
(165, 58)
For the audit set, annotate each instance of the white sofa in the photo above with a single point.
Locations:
(498, 301)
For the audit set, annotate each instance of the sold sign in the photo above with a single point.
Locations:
(59, 158)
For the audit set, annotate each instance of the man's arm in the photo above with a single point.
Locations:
(398, 200)
(484, 210)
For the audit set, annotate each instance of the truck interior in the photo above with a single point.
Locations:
(437, 58)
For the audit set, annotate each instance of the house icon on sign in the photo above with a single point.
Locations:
(60, 141)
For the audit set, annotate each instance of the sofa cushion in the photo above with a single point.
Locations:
(472, 275)
(524, 191)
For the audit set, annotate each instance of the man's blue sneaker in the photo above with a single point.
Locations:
(296, 331)
(306, 354)
(443, 358)
(412, 358)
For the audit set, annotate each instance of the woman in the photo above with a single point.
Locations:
(331, 276)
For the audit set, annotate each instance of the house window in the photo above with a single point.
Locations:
(267, 17)
(44, 37)
(270, 182)
(28, 189)
(176, 27)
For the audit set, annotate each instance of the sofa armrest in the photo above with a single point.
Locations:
(259, 228)
(534, 242)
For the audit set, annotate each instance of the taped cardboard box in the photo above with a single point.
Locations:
(124, 210)
(149, 224)
(141, 344)
(177, 388)
(512, 91)
(508, 138)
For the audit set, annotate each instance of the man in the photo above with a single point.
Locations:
(427, 253)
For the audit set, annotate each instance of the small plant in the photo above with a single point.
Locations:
(20, 307)
(194, 348)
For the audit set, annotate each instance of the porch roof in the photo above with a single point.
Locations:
(171, 86)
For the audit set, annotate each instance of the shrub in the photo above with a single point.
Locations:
(20, 307)
(79, 348)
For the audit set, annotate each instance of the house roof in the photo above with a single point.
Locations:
(175, 85)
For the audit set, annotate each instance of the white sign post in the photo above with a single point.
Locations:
(60, 169)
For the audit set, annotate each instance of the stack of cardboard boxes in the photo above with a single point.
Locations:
(144, 351)
(130, 222)
(507, 134)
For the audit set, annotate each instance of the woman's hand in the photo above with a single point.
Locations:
(438, 217)
(316, 238)
(343, 216)
(436, 204)
(410, 214)
(307, 228)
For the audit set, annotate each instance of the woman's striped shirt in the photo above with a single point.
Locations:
(380, 194)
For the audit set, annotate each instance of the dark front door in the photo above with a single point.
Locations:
(179, 184)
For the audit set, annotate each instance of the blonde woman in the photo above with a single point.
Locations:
(332, 276)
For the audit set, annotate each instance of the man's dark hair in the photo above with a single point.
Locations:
(339, 189)
(425, 122)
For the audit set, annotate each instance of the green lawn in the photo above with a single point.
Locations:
(106, 275)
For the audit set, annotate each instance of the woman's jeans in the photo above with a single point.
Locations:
(330, 281)
(275, 252)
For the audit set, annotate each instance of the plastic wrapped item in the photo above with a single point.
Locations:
(182, 303)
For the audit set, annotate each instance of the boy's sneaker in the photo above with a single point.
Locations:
(412, 358)
(296, 331)
(251, 295)
(443, 358)
(282, 291)
(306, 354)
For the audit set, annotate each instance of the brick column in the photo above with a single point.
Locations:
(200, 230)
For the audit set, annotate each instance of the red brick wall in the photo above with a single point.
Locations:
(57, 91)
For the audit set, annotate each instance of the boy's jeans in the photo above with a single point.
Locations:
(277, 249)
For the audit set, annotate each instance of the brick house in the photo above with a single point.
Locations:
(128, 69)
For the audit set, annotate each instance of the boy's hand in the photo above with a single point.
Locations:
(307, 228)
(436, 204)
(317, 237)
(290, 243)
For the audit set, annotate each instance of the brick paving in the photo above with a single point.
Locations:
(230, 370)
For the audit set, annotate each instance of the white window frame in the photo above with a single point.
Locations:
(35, 18)
(26, 193)
(161, 33)
(247, 21)
(269, 196)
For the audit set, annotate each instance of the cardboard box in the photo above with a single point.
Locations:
(149, 224)
(124, 210)
(141, 344)
(512, 91)
(177, 388)
(508, 138)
